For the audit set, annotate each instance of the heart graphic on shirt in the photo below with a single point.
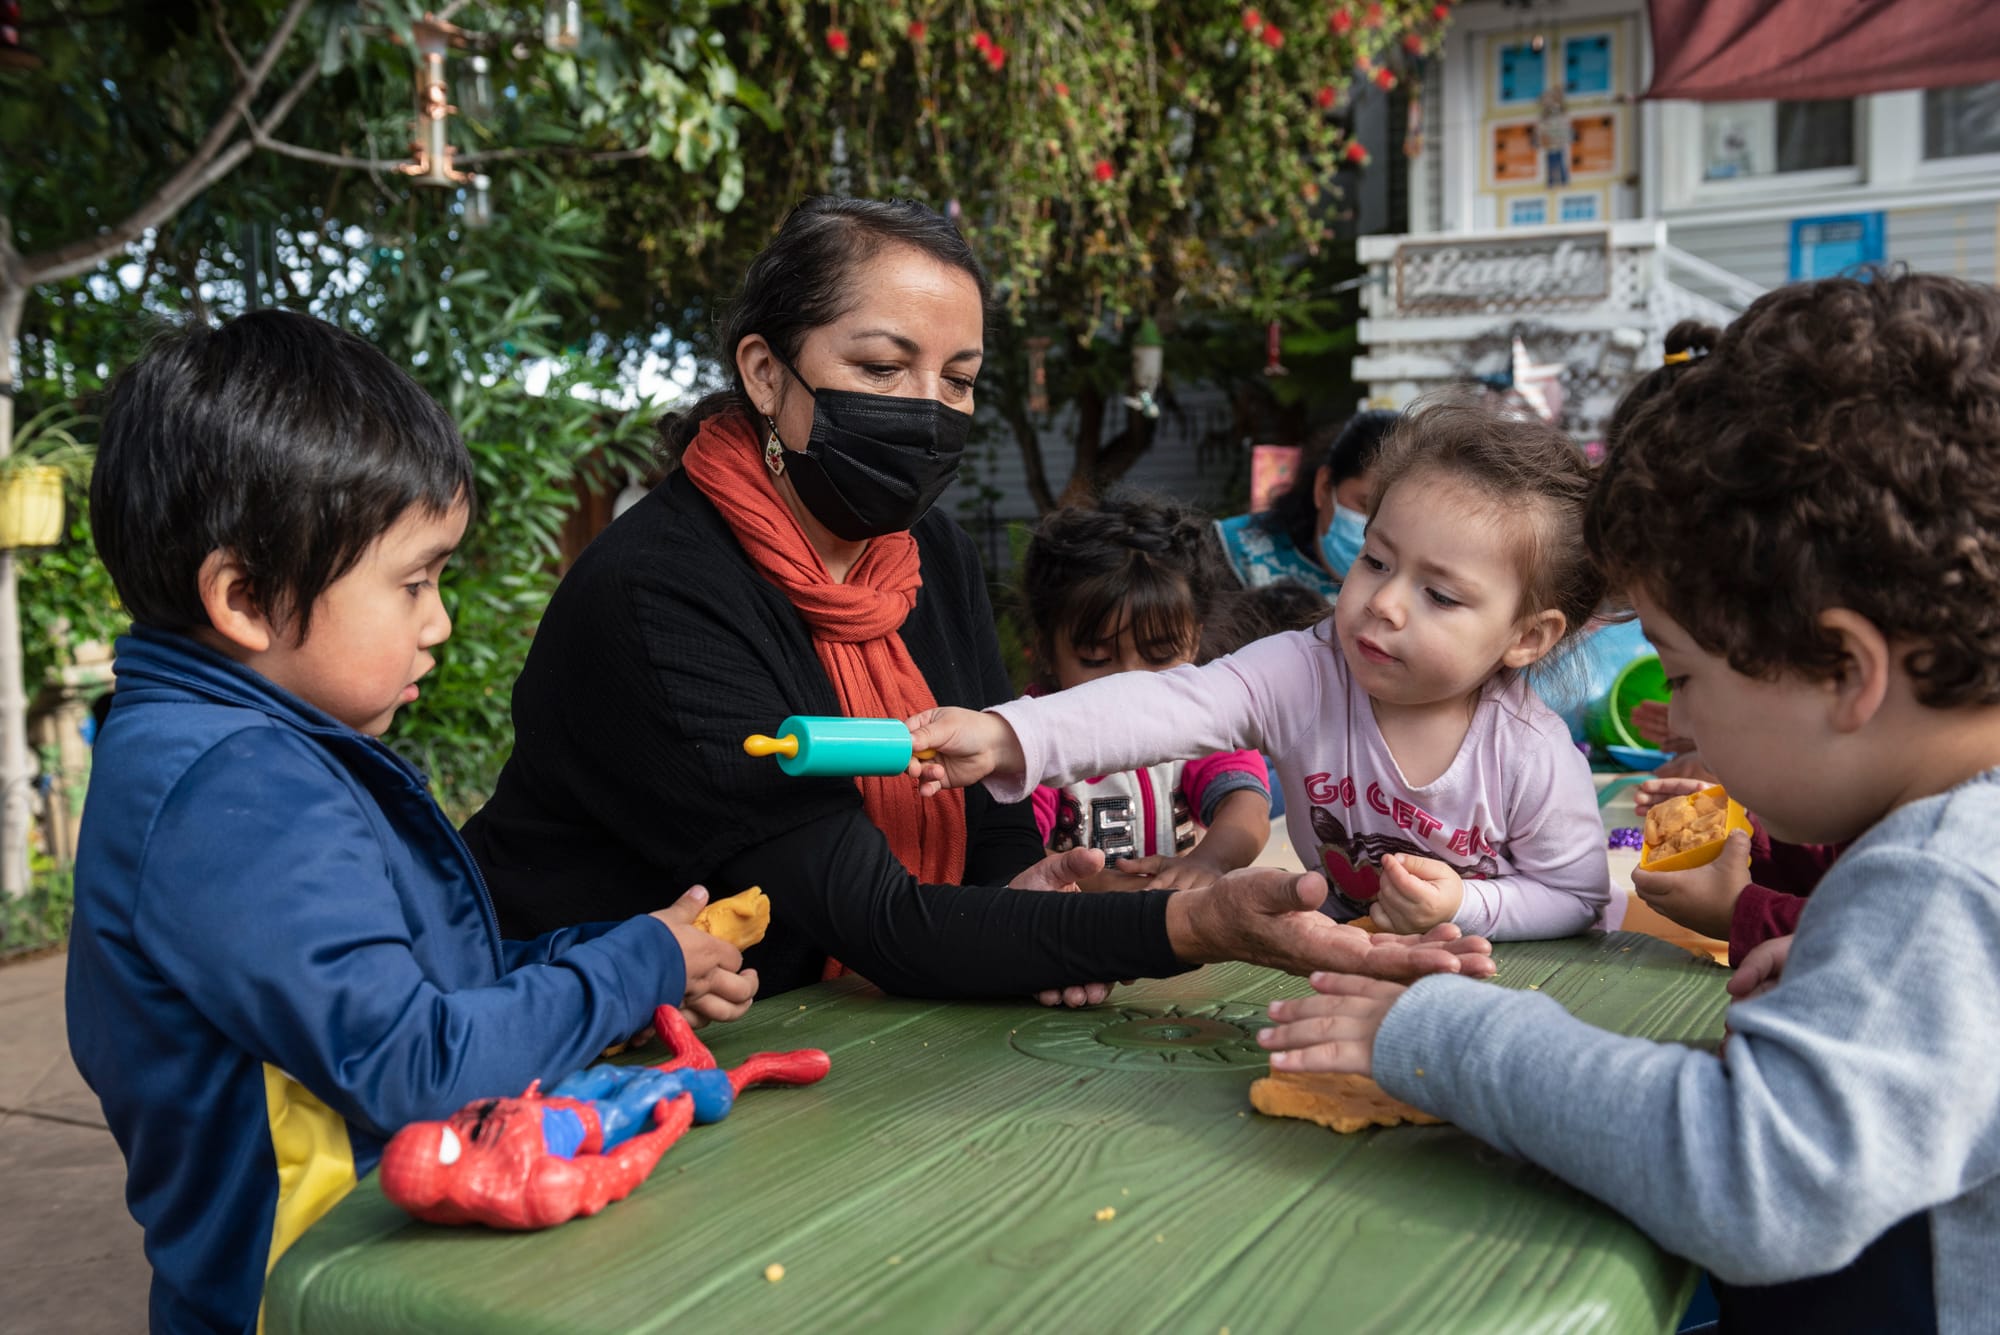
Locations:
(1351, 861)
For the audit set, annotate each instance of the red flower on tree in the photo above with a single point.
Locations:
(1355, 152)
(1103, 171)
(1252, 20)
(994, 54)
(1373, 18)
(1273, 36)
(1062, 90)
(1384, 80)
(1413, 43)
(836, 41)
(918, 30)
(1325, 96)
(1341, 23)
(1440, 12)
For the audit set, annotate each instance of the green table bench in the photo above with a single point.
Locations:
(949, 1174)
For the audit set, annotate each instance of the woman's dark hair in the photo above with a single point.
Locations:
(1840, 448)
(803, 280)
(1128, 559)
(1527, 468)
(1686, 343)
(1348, 453)
(278, 437)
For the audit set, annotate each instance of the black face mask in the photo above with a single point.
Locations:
(876, 463)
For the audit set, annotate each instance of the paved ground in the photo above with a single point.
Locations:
(68, 1249)
(69, 1252)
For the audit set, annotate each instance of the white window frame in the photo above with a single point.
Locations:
(1891, 171)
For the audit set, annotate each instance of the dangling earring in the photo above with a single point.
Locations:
(774, 451)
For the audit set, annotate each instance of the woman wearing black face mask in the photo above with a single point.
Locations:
(795, 564)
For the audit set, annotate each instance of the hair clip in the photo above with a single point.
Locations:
(1684, 355)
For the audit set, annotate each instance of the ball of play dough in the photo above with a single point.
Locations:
(740, 919)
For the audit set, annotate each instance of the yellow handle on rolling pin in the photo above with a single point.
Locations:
(758, 744)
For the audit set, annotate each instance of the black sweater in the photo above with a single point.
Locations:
(661, 651)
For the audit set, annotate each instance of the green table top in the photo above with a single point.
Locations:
(947, 1176)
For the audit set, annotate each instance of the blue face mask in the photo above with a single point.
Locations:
(1341, 542)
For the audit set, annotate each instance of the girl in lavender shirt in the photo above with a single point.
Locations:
(1421, 772)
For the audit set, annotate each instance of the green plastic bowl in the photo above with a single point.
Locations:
(1609, 719)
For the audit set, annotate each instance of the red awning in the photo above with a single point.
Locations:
(1795, 50)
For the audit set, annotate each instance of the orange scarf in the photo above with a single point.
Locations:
(855, 630)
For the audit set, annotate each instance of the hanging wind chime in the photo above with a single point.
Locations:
(1038, 374)
(1149, 354)
(430, 149)
(1272, 346)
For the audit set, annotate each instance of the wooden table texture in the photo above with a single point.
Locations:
(948, 1175)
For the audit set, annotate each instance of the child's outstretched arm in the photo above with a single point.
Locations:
(1781, 1158)
(1253, 698)
(284, 927)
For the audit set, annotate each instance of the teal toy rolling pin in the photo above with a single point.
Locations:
(847, 747)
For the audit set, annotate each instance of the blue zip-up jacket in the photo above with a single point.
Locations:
(282, 953)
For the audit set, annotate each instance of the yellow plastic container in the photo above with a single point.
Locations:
(1703, 854)
(31, 507)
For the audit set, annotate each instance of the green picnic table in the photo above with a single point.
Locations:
(950, 1175)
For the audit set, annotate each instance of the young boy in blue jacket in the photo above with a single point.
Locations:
(282, 951)
(1808, 521)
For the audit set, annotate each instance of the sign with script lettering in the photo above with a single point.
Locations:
(1470, 275)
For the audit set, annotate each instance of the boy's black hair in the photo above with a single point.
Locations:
(278, 437)
(1349, 453)
(1840, 448)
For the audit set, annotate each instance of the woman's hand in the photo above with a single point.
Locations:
(1270, 917)
(1655, 791)
(718, 986)
(969, 746)
(1417, 893)
(1701, 899)
(1333, 1030)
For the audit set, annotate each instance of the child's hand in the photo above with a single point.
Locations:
(1067, 871)
(969, 745)
(1761, 969)
(1333, 1030)
(1701, 899)
(1655, 791)
(718, 986)
(1650, 719)
(1417, 894)
(1166, 872)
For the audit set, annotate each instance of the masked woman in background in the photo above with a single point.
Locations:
(1312, 532)
(792, 563)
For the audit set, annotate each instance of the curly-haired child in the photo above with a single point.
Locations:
(1421, 772)
(1809, 525)
(1127, 584)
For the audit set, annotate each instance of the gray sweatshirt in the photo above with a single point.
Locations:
(1863, 1089)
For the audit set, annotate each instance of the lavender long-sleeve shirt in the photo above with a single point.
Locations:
(1515, 812)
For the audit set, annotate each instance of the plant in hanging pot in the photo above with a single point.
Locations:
(46, 454)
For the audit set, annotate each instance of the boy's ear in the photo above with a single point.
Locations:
(234, 610)
(1539, 633)
(1866, 664)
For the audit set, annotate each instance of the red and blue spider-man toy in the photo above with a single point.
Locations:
(542, 1159)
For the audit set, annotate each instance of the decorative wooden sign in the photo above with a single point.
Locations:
(1573, 268)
